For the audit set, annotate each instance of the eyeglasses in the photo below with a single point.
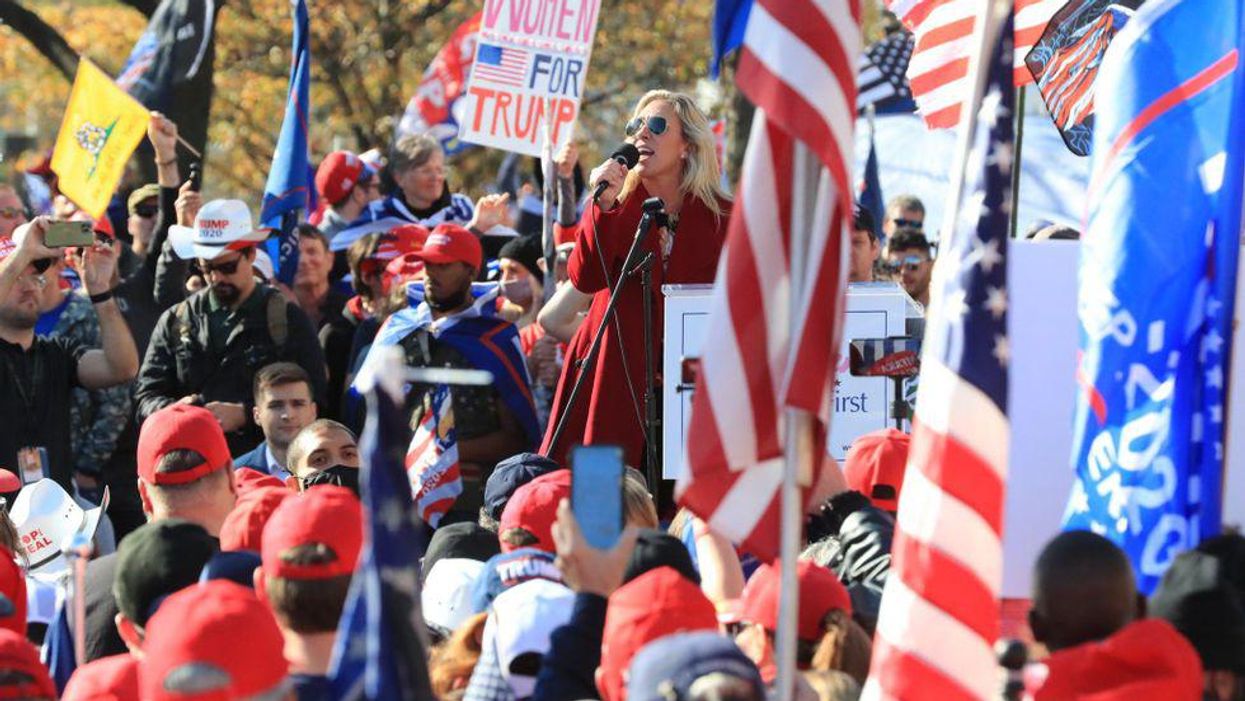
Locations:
(910, 262)
(223, 268)
(909, 223)
(146, 211)
(12, 212)
(656, 125)
(42, 264)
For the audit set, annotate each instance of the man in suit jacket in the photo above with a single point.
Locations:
(283, 406)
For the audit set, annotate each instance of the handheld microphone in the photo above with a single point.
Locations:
(627, 155)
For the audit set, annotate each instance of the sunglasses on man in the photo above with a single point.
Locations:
(911, 263)
(656, 125)
(227, 268)
(146, 211)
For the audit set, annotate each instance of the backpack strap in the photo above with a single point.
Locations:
(181, 318)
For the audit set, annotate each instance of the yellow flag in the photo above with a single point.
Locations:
(102, 127)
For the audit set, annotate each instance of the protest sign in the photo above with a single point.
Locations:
(530, 67)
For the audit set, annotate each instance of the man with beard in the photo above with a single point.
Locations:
(206, 350)
(37, 375)
(452, 328)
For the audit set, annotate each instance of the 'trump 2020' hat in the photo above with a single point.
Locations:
(220, 225)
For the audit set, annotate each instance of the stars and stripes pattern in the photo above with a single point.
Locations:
(939, 616)
(502, 65)
(432, 458)
(881, 72)
(938, 70)
(381, 640)
(766, 352)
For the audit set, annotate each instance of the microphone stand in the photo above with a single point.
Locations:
(652, 429)
(653, 210)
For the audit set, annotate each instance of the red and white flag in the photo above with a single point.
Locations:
(432, 459)
(765, 352)
(938, 71)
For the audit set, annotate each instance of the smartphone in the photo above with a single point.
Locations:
(63, 234)
(897, 356)
(196, 177)
(597, 492)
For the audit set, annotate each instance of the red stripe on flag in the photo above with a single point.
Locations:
(947, 73)
(959, 472)
(942, 581)
(945, 34)
(904, 676)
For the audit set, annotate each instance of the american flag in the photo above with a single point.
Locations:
(141, 58)
(380, 649)
(938, 71)
(797, 65)
(501, 64)
(432, 459)
(939, 616)
(881, 72)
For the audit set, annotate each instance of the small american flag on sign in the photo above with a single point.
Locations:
(502, 65)
(432, 459)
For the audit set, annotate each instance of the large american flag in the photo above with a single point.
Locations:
(765, 351)
(938, 71)
(939, 616)
(432, 458)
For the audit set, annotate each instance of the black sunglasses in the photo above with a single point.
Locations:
(41, 265)
(223, 268)
(146, 211)
(909, 223)
(656, 125)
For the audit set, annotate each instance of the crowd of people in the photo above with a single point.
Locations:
(164, 391)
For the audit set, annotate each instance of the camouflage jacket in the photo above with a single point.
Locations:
(96, 417)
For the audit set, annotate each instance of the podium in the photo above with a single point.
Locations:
(861, 404)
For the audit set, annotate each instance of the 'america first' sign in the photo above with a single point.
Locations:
(530, 67)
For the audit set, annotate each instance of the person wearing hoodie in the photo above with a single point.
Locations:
(1087, 612)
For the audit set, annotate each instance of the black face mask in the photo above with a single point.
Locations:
(340, 475)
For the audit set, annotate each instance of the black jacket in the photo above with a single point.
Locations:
(180, 360)
(567, 672)
(853, 538)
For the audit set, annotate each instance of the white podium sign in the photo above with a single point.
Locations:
(861, 404)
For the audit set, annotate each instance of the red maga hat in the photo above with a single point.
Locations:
(181, 427)
(328, 515)
(451, 243)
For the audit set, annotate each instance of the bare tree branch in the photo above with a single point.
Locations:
(41, 35)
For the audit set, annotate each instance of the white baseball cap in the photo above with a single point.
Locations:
(446, 595)
(220, 225)
(47, 519)
(524, 618)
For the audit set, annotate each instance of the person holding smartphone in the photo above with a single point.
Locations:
(37, 375)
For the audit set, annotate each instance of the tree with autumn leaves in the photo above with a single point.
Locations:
(367, 60)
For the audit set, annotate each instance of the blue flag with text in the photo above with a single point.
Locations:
(1157, 282)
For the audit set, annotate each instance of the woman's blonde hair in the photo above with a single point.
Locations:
(701, 174)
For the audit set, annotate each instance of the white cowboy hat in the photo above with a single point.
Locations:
(220, 225)
(47, 519)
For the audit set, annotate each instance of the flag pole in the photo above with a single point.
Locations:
(797, 432)
(1020, 135)
(546, 226)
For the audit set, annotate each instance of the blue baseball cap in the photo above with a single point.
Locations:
(510, 474)
(666, 669)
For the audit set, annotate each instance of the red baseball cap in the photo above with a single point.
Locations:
(338, 174)
(820, 592)
(658, 603)
(246, 480)
(181, 427)
(112, 678)
(878, 459)
(243, 528)
(405, 268)
(209, 642)
(451, 243)
(400, 240)
(329, 515)
(18, 655)
(534, 508)
(13, 587)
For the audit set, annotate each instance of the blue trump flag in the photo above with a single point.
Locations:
(730, 19)
(379, 653)
(1157, 281)
(291, 181)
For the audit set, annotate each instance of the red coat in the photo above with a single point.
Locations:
(605, 411)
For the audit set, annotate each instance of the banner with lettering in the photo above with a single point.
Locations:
(530, 67)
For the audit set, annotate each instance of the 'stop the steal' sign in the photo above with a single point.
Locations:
(530, 66)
